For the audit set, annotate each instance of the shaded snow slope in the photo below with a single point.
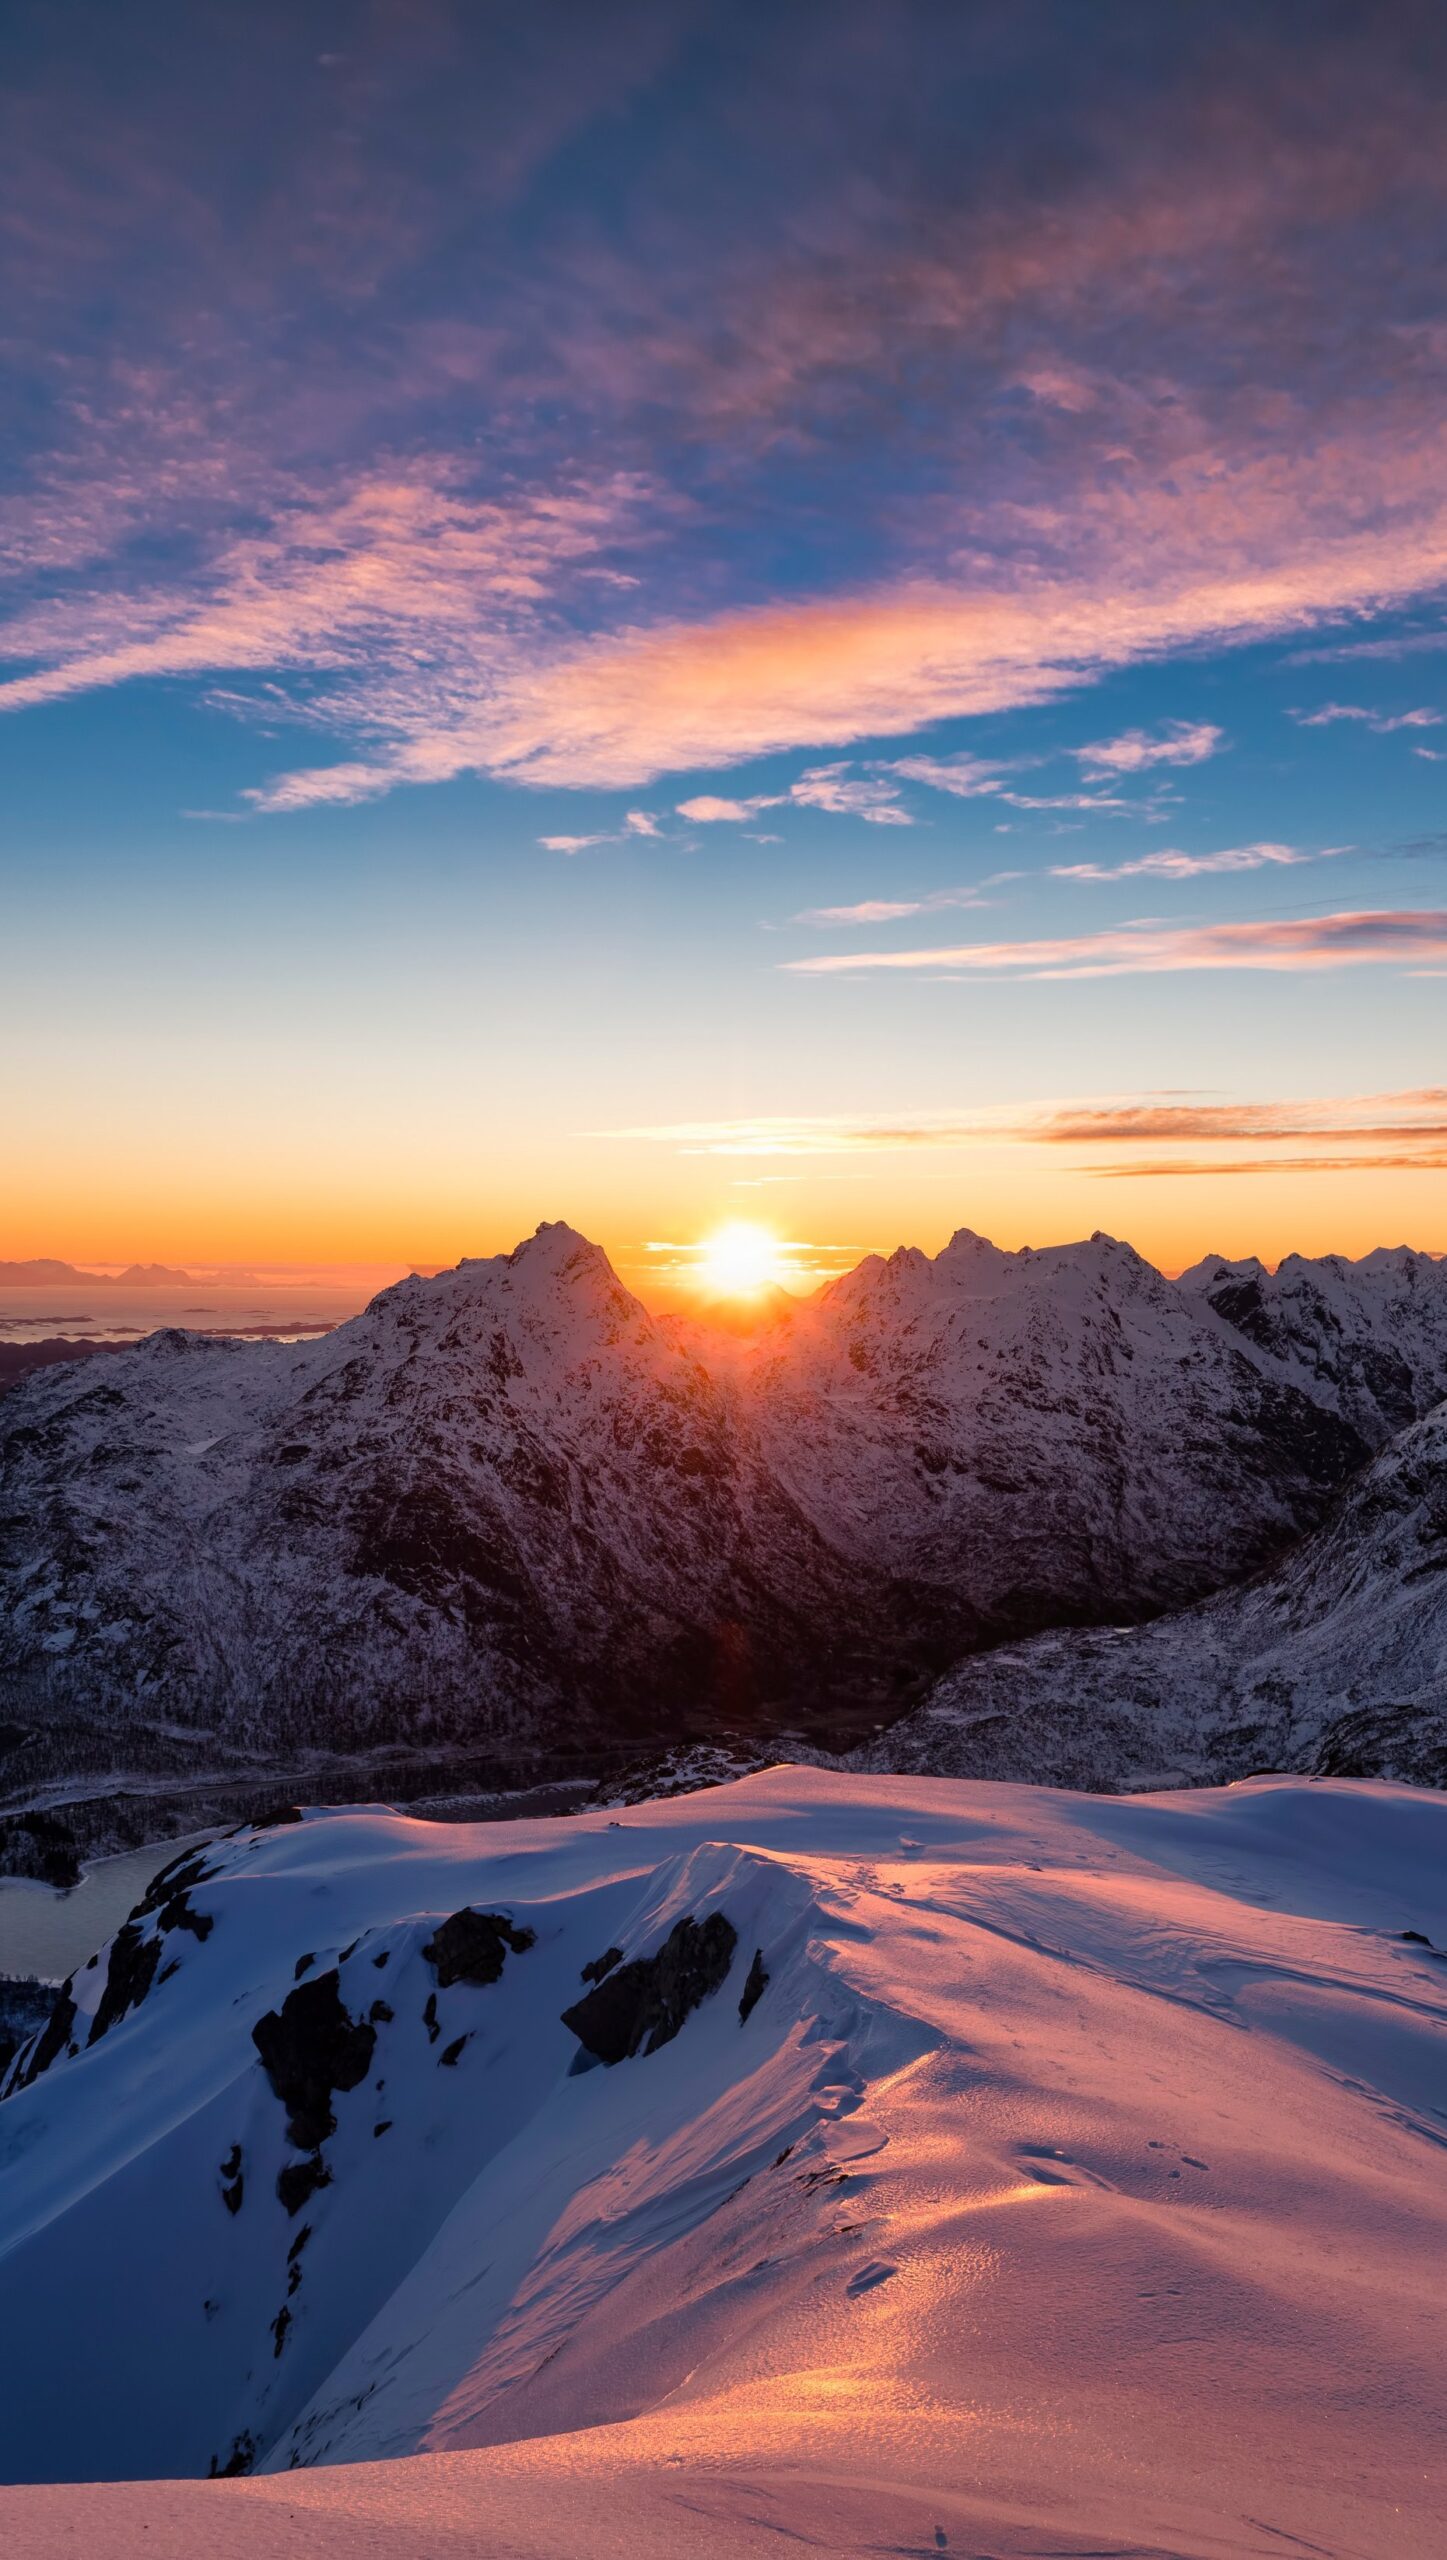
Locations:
(1073, 2182)
(507, 1511)
(1336, 1661)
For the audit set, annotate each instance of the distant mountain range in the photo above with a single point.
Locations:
(137, 1275)
(508, 1516)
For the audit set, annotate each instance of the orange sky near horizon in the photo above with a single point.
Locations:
(316, 1216)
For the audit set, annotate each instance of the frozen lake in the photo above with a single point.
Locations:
(48, 1933)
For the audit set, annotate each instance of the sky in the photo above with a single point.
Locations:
(683, 613)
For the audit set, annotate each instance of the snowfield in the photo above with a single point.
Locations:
(920, 2167)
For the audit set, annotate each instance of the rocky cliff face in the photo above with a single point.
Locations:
(1334, 1663)
(496, 1497)
(507, 1508)
(1365, 1340)
(1043, 1435)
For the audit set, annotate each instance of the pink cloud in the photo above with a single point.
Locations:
(1393, 936)
(889, 910)
(1382, 722)
(1411, 1122)
(1170, 865)
(965, 777)
(827, 786)
(1136, 751)
(707, 810)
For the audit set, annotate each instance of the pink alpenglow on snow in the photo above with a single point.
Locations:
(1070, 2183)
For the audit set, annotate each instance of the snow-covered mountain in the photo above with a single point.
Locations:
(1335, 1660)
(508, 1511)
(1368, 1339)
(1047, 1435)
(499, 1500)
(858, 2165)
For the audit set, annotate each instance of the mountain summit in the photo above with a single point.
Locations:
(507, 1511)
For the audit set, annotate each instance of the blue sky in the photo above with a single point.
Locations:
(516, 527)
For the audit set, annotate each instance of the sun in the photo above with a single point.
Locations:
(739, 1261)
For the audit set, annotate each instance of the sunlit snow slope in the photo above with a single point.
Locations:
(1073, 2183)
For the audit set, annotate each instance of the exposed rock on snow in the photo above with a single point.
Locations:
(1335, 1662)
(754, 1989)
(1074, 2186)
(310, 2048)
(637, 2007)
(473, 1947)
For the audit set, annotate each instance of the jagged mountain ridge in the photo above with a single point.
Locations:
(1366, 1339)
(506, 1505)
(1041, 1429)
(1334, 1661)
(493, 1494)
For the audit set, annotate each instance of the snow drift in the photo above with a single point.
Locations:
(950, 2168)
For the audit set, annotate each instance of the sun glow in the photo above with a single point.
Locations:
(740, 1260)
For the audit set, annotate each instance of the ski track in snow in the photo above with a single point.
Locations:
(1077, 2185)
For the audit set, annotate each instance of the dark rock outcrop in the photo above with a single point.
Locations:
(755, 1987)
(310, 2048)
(233, 2185)
(300, 2179)
(51, 2042)
(472, 1946)
(129, 1976)
(639, 2006)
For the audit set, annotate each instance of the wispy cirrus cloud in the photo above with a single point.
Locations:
(831, 787)
(964, 777)
(1168, 864)
(1404, 1130)
(238, 296)
(836, 788)
(1382, 722)
(637, 823)
(439, 627)
(890, 910)
(1369, 1160)
(1390, 937)
(1180, 742)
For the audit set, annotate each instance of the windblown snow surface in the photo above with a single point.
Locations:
(997, 2172)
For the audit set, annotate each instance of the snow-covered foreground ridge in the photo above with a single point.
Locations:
(948, 2167)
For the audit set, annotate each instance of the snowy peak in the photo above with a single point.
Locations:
(552, 1270)
(507, 1508)
(1366, 1339)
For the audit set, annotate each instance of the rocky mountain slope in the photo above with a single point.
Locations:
(1367, 1340)
(1333, 1661)
(1055, 1434)
(508, 1512)
(497, 1500)
(859, 2165)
